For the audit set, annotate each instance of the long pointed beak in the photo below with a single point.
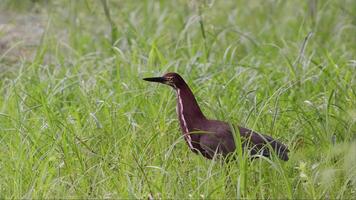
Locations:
(155, 79)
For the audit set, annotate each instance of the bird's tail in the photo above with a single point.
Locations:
(280, 149)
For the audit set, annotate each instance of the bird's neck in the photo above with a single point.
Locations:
(188, 109)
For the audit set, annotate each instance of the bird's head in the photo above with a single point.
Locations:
(171, 79)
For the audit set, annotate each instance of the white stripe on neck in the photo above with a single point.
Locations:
(181, 115)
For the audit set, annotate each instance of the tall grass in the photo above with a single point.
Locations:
(77, 121)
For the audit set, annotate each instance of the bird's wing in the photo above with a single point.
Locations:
(217, 143)
(259, 143)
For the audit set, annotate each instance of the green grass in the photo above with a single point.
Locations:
(77, 121)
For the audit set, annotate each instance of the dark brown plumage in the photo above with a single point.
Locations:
(210, 137)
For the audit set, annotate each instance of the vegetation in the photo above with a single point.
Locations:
(77, 121)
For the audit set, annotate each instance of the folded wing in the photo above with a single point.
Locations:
(259, 144)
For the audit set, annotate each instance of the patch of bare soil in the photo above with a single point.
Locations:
(20, 35)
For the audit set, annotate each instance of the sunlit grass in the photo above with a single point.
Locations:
(77, 121)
